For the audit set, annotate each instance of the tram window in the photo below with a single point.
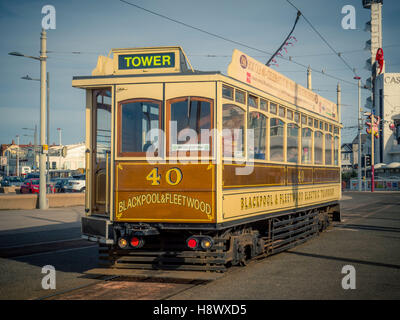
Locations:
(328, 149)
(297, 117)
(336, 130)
(272, 108)
(336, 151)
(310, 121)
(233, 118)
(252, 101)
(306, 145)
(240, 96)
(282, 112)
(292, 142)
(318, 141)
(191, 116)
(103, 123)
(289, 114)
(263, 105)
(316, 124)
(227, 92)
(258, 123)
(137, 119)
(303, 119)
(276, 139)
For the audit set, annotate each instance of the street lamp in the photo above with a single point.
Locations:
(42, 159)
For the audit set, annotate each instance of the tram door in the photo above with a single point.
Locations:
(101, 146)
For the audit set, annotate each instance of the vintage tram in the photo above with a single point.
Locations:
(191, 170)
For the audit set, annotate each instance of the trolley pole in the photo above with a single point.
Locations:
(42, 157)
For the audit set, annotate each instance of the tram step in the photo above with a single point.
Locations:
(169, 267)
(163, 260)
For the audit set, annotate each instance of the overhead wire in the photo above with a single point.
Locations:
(235, 42)
(324, 40)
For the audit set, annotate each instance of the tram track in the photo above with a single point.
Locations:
(114, 287)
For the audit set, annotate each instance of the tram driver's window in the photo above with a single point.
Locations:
(318, 143)
(233, 131)
(257, 122)
(292, 142)
(137, 119)
(306, 145)
(190, 125)
(276, 139)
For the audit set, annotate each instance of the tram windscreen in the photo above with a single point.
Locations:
(190, 126)
(137, 119)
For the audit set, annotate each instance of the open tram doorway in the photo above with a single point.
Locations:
(101, 151)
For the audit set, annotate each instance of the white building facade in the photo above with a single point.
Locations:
(387, 107)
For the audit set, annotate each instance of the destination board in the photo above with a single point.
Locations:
(248, 70)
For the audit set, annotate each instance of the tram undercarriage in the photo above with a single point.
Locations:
(170, 250)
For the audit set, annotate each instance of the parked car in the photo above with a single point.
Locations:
(32, 176)
(61, 183)
(75, 185)
(32, 186)
(12, 181)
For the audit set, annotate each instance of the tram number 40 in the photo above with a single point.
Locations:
(172, 177)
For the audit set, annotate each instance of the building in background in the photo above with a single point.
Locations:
(73, 158)
(347, 157)
(61, 158)
(387, 107)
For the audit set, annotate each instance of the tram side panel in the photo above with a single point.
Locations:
(274, 189)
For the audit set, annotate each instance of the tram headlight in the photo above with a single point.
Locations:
(123, 243)
(206, 243)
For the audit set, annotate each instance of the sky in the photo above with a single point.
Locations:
(94, 27)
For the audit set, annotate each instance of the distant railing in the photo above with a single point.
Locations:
(380, 185)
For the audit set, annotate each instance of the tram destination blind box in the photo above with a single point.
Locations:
(146, 61)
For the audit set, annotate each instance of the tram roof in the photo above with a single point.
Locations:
(156, 62)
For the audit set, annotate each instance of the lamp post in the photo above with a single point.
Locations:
(60, 152)
(42, 159)
(17, 155)
(359, 132)
(27, 77)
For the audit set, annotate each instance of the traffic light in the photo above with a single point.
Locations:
(368, 160)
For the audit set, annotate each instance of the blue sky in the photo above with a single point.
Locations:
(94, 27)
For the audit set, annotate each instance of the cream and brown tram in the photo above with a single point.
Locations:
(191, 170)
